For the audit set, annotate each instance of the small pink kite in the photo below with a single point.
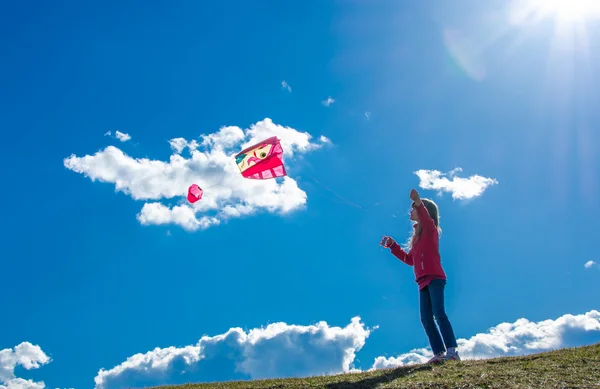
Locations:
(194, 193)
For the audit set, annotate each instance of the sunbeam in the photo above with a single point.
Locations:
(563, 11)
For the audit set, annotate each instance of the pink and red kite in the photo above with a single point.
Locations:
(260, 161)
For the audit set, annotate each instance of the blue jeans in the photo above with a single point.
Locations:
(431, 301)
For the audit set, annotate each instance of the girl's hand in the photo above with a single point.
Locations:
(386, 241)
(414, 196)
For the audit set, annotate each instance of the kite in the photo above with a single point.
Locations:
(262, 160)
(194, 193)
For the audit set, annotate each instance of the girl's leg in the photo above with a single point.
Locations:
(426, 308)
(436, 291)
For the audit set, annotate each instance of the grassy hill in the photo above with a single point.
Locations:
(577, 367)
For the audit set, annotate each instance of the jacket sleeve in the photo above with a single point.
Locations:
(425, 219)
(401, 254)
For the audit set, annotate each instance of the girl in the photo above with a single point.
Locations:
(424, 257)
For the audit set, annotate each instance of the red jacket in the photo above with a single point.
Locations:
(424, 255)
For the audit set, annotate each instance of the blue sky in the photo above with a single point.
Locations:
(492, 115)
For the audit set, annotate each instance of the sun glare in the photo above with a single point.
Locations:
(562, 10)
(571, 10)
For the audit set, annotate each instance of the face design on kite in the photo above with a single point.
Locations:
(253, 156)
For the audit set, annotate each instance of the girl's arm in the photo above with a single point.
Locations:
(401, 254)
(425, 219)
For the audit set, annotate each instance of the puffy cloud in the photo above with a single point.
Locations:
(179, 144)
(182, 215)
(210, 165)
(26, 355)
(119, 135)
(292, 140)
(230, 136)
(461, 188)
(278, 350)
(282, 350)
(286, 86)
(122, 137)
(589, 264)
(328, 101)
(511, 339)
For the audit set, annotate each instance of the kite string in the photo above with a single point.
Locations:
(335, 194)
(225, 168)
(315, 180)
(220, 181)
(224, 172)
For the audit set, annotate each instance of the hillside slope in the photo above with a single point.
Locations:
(577, 367)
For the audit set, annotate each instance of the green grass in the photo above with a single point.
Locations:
(577, 367)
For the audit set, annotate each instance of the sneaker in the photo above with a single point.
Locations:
(451, 355)
(437, 358)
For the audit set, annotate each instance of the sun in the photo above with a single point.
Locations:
(563, 11)
(571, 10)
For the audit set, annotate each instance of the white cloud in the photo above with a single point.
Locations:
(179, 144)
(278, 350)
(228, 137)
(182, 215)
(511, 339)
(226, 193)
(282, 350)
(325, 140)
(119, 135)
(285, 85)
(26, 355)
(589, 264)
(292, 140)
(461, 188)
(122, 137)
(328, 102)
